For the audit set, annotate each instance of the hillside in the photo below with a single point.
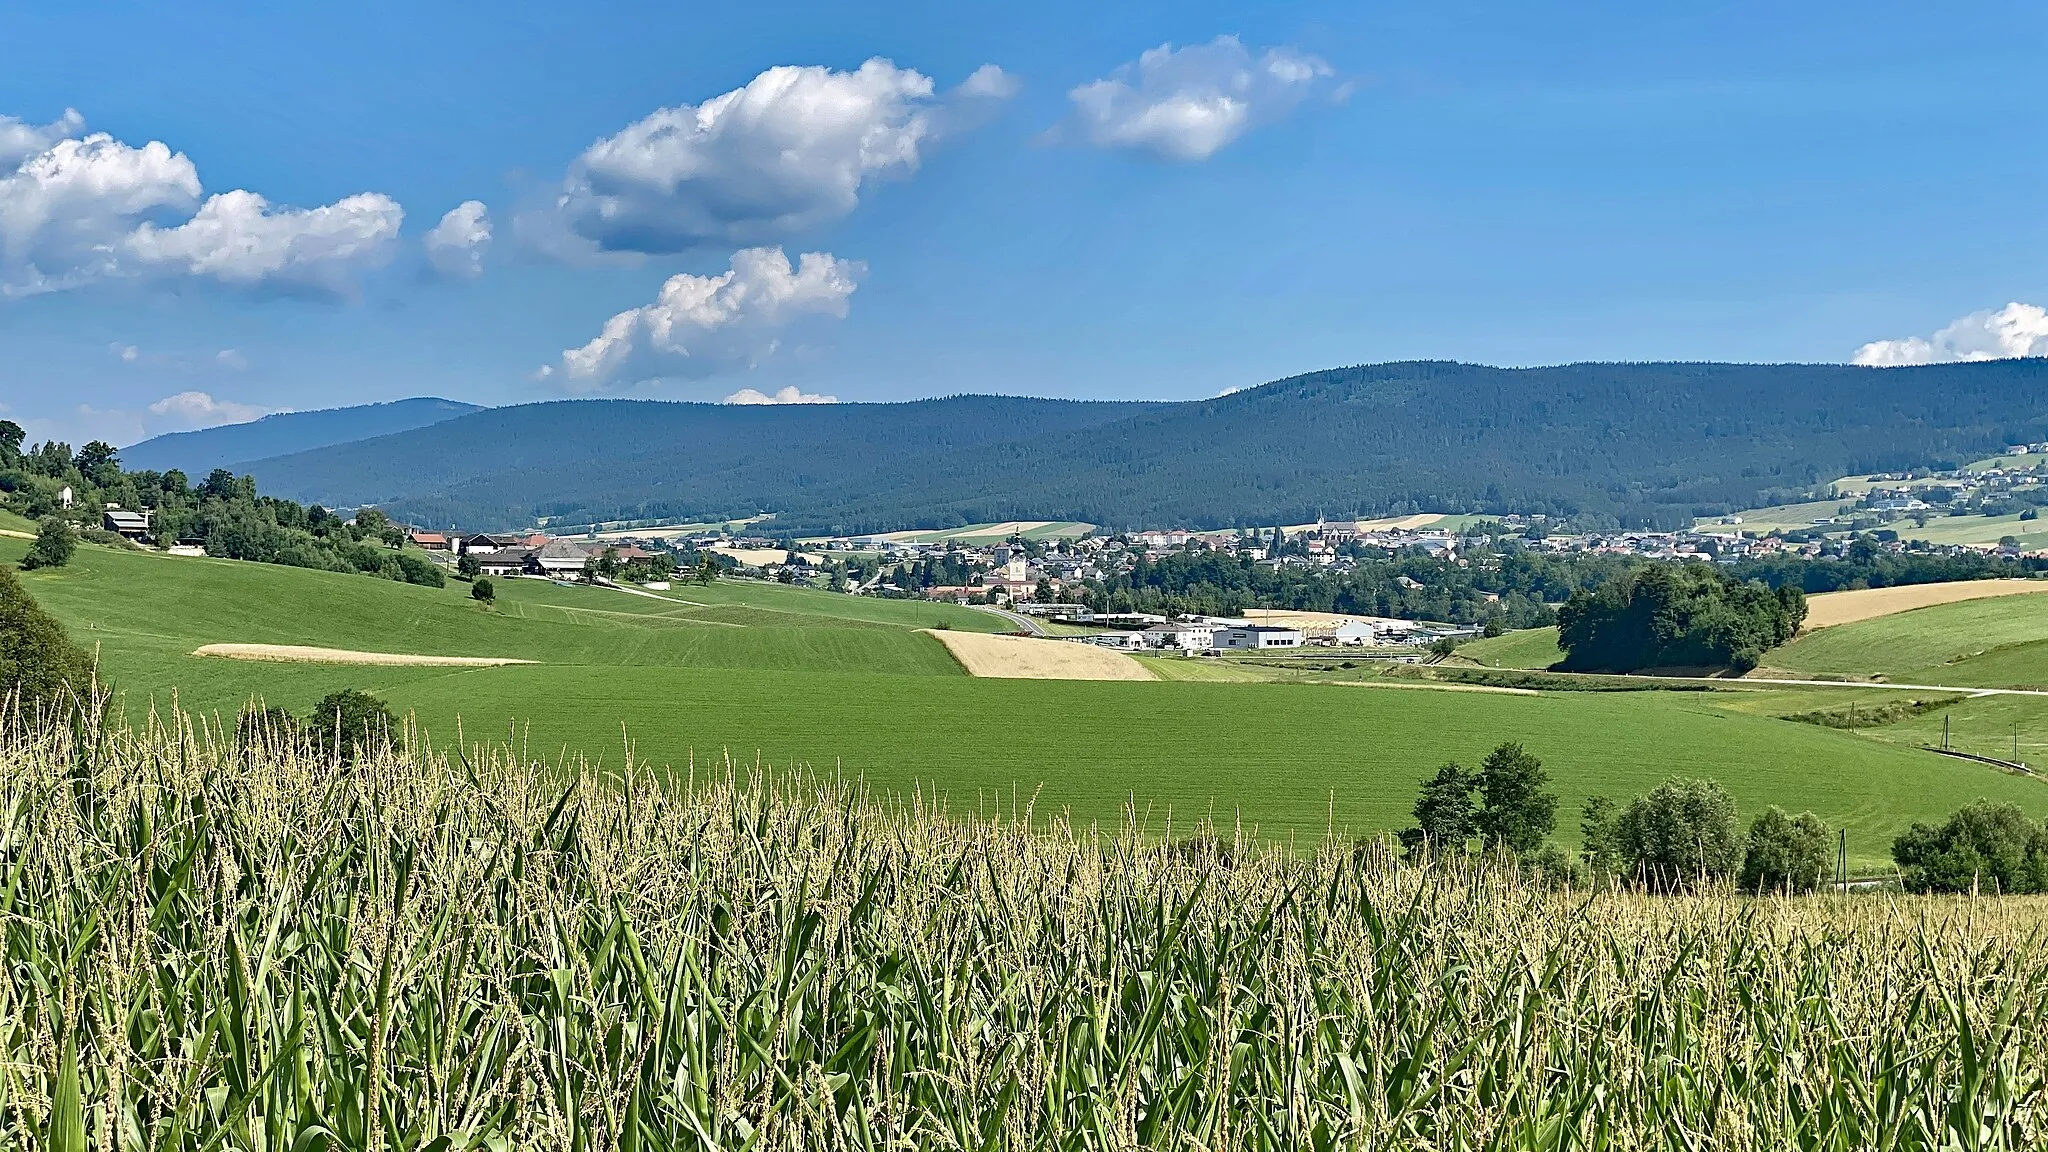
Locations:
(1636, 443)
(832, 681)
(197, 453)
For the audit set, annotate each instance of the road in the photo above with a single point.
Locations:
(1024, 624)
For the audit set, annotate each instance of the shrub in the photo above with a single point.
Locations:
(347, 723)
(1681, 834)
(1983, 846)
(420, 570)
(483, 590)
(1786, 853)
(55, 544)
(37, 660)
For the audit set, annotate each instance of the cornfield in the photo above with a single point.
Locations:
(223, 944)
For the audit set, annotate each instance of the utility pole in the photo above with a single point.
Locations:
(1842, 858)
(1944, 731)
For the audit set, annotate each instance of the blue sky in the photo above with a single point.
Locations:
(1340, 183)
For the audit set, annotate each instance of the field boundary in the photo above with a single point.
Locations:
(307, 654)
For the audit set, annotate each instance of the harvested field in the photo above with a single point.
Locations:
(305, 654)
(1828, 609)
(1024, 658)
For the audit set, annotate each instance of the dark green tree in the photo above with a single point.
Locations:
(1517, 810)
(1597, 847)
(348, 723)
(483, 590)
(99, 464)
(1786, 853)
(468, 565)
(1444, 813)
(11, 438)
(1983, 847)
(55, 544)
(1680, 835)
(39, 665)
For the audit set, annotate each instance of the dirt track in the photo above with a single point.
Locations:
(1023, 658)
(1827, 609)
(302, 654)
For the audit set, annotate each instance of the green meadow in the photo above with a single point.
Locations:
(1999, 642)
(781, 676)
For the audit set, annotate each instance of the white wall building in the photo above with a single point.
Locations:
(1256, 637)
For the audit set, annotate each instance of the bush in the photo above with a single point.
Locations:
(1681, 834)
(1982, 847)
(1787, 853)
(55, 544)
(420, 570)
(37, 660)
(347, 722)
(483, 590)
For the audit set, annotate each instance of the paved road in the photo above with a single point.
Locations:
(1024, 623)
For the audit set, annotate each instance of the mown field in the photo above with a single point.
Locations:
(837, 683)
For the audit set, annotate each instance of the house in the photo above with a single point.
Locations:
(1186, 635)
(1257, 637)
(499, 561)
(430, 541)
(557, 558)
(64, 497)
(490, 542)
(131, 525)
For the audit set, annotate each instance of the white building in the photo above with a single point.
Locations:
(1256, 637)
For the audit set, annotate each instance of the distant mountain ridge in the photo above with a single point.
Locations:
(227, 445)
(1634, 444)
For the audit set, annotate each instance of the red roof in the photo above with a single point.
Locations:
(425, 538)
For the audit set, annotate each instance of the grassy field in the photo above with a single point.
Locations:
(801, 677)
(239, 948)
(2000, 642)
(1530, 648)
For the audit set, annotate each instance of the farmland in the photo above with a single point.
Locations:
(838, 683)
(790, 964)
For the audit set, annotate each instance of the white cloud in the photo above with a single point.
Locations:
(232, 359)
(989, 82)
(456, 245)
(790, 150)
(20, 140)
(2014, 330)
(200, 410)
(1187, 103)
(789, 395)
(125, 353)
(87, 209)
(702, 325)
(181, 412)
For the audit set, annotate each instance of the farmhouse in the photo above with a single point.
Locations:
(557, 558)
(1257, 636)
(130, 525)
(430, 541)
(500, 561)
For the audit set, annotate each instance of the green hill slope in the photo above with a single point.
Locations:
(792, 676)
(1999, 642)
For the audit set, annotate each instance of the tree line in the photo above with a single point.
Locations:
(223, 512)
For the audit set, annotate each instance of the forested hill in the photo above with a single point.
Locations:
(197, 453)
(1635, 444)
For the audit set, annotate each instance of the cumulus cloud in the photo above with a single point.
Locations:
(790, 395)
(19, 140)
(181, 412)
(792, 149)
(81, 210)
(702, 325)
(1187, 103)
(455, 246)
(1993, 334)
